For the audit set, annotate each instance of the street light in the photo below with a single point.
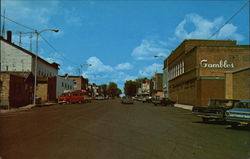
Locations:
(37, 35)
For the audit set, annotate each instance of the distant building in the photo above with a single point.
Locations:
(196, 69)
(144, 90)
(57, 85)
(156, 85)
(80, 83)
(16, 58)
(16, 89)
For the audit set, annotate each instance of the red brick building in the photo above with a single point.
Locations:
(196, 69)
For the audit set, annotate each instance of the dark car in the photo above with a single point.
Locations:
(163, 101)
(127, 100)
(240, 114)
(215, 110)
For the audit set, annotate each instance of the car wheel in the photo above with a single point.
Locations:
(234, 125)
(205, 120)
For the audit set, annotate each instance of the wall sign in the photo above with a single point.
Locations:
(222, 64)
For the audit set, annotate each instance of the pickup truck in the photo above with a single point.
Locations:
(215, 110)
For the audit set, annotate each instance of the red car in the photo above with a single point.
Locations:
(80, 96)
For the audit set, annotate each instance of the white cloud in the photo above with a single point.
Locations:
(203, 29)
(101, 73)
(25, 11)
(148, 49)
(98, 66)
(151, 69)
(124, 66)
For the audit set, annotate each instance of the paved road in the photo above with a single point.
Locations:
(110, 130)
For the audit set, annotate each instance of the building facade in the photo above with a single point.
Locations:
(57, 85)
(196, 69)
(16, 89)
(156, 87)
(80, 83)
(15, 58)
(237, 84)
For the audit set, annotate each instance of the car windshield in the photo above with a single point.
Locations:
(243, 104)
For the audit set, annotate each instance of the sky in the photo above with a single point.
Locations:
(120, 38)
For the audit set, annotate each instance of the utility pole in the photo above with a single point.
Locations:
(20, 38)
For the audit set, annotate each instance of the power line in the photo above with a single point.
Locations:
(51, 46)
(25, 26)
(30, 28)
(241, 8)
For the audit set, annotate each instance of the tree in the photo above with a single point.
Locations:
(130, 88)
(113, 90)
(104, 88)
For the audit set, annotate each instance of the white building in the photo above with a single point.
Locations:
(15, 58)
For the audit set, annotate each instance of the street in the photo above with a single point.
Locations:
(107, 129)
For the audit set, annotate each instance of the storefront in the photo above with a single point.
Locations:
(196, 69)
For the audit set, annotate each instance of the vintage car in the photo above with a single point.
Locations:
(240, 114)
(77, 96)
(162, 101)
(127, 100)
(215, 110)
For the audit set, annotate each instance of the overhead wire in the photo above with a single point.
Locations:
(25, 26)
(239, 10)
(46, 41)
(51, 46)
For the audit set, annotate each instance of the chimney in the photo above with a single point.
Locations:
(9, 36)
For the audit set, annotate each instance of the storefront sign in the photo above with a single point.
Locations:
(222, 64)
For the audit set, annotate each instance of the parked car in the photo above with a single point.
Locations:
(240, 114)
(99, 98)
(215, 110)
(127, 100)
(64, 98)
(78, 96)
(163, 101)
(141, 99)
(148, 99)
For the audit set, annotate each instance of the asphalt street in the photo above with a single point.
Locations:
(107, 129)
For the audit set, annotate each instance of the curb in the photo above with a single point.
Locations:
(27, 107)
(183, 106)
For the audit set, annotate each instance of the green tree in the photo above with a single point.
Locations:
(104, 88)
(130, 88)
(113, 90)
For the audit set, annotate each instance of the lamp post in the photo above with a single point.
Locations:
(35, 71)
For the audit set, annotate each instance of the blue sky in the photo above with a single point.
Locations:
(120, 38)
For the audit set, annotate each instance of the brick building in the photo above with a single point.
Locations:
(16, 89)
(237, 84)
(196, 69)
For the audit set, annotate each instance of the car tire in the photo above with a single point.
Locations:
(205, 120)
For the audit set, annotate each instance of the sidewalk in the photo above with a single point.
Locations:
(183, 106)
(27, 107)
